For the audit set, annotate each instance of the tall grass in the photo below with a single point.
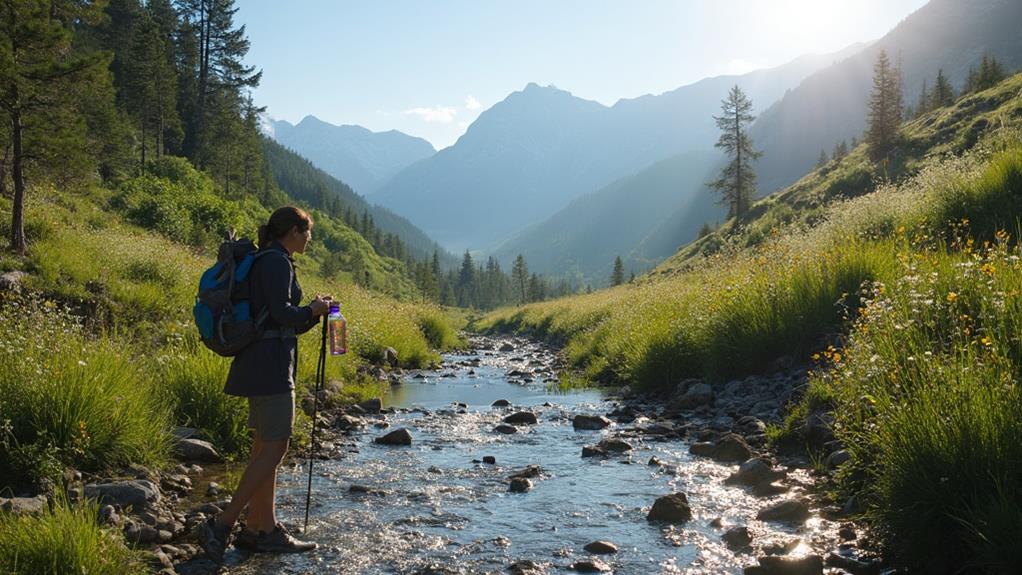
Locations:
(63, 396)
(64, 540)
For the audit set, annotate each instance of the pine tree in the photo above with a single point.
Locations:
(37, 69)
(618, 276)
(821, 160)
(923, 105)
(520, 279)
(885, 108)
(149, 87)
(943, 94)
(466, 281)
(737, 182)
(840, 150)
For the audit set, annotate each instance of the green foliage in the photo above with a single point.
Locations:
(70, 399)
(885, 108)
(66, 539)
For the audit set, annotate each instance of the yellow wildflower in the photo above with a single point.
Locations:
(952, 297)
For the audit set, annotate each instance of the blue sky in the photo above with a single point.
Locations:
(428, 68)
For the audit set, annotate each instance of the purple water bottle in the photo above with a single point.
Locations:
(337, 328)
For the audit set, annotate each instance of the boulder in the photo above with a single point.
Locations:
(525, 567)
(614, 445)
(191, 449)
(522, 418)
(753, 472)
(528, 472)
(590, 422)
(671, 508)
(601, 548)
(24, 505)
(701, 448)
(787, 511)
(397, 437)
(737, 537)
(731, 447)
(489, 460)
(520, 485)
(501, 403)
(838, 458)
(697, 394)
(590, 566)
(589, 451)
(373, 405)
(348, 422)
(137, 494)
(505, 428)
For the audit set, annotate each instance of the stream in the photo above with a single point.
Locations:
(435, 508)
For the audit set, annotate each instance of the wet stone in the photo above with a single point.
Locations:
(522, 418)
(737, 537)
(192, 449)
(590, 566)
(787, 511)
(673, 508)
(520, 485)
(525, 567)
(505, 428)
(601, 548)
(774, 565)
(501, 403)
(590, 422)
(529, 472)
(614, 445)
(397, 437)
(588, 451)
(489, 459)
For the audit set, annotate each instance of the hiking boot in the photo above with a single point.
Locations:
(247, 540)
(279, 541)
(214, 539)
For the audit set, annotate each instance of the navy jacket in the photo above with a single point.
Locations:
(268, 366)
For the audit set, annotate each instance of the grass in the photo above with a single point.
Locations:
(64, 540)
(906, 299)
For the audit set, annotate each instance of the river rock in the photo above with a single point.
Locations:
(590, 566)
(390, 356)
(522, 418)
(696, 395)
(397, 437)
(109, 516)
(753, 472)
(527, 473)
(772, 565)
(501, 403)
(191, 449)
(787, 511)
(838, 458)
(750, 425)
(525, 567)
(737, 537)
(702, 448)
(505, 428)
(671, 508)
(489, 460)
(506, 347)
(731, 447)
(373, 405)
(520, 485)
(590, 422)
(769, 489)
(140, 533)
(614, 445)
(593, 451)
(137, 494)
(345, 421)
(24, 505)
(601, 548)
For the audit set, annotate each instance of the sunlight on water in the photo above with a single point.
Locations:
(431, 509)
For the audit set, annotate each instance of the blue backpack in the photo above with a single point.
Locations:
(222, 311)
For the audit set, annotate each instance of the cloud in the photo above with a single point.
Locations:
(471, 103)
(438, 114)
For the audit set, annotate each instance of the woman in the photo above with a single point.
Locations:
(264, 372)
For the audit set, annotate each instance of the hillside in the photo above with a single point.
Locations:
(303, 181)
(584, 238)
(899, 306)
(352, 154)
(830, 105)
(531, 154)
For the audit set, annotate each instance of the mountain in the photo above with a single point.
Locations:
(830, 105)
(583, 239)
(532, 153)
(353, 154)
(301, 180)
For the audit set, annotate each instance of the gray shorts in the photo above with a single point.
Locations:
(272, 416)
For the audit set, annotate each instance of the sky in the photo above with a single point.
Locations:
(430, 67)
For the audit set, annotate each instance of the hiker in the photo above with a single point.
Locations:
(264, 372)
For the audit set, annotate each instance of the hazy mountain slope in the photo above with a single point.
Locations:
(584, 238)
(303, 181)
(363, 159)
(531, 154)
(830, 105)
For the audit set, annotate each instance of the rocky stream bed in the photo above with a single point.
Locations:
(482, 466)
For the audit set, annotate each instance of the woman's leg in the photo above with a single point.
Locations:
(261, 469)
(261, 508)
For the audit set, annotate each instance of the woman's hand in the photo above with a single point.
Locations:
(320, 305)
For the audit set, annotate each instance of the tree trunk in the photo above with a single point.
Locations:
(739, 208)
(3, 171)
(18, 243)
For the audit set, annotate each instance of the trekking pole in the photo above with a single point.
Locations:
(320, 377)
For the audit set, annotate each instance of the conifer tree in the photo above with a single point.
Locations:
(149, 88)
(37, 68)
(923, 105)
(821, 160)
(840, 150)
(520, 279)
(737, 182)
(885, 108)
(943, 94)
(466, 281)
(617, 277)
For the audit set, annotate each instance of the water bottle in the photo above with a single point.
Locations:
(337, 327)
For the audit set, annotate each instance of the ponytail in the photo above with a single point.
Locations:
(281, 222)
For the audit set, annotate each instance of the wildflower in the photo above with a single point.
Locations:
(988, 269)
(952, 297)
(986, 341)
